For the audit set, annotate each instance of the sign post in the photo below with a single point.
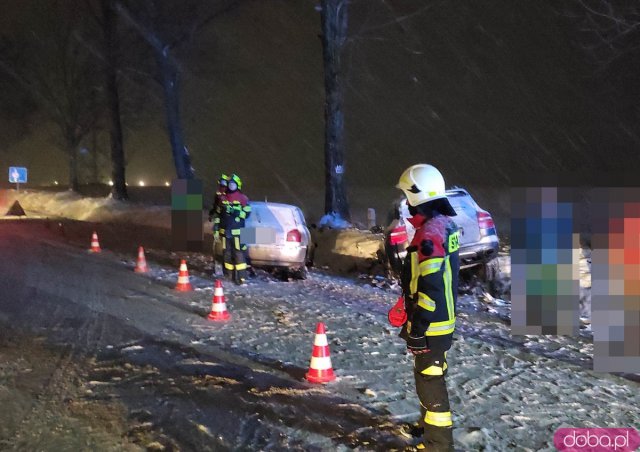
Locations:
(17, 175)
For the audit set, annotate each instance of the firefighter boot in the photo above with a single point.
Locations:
(412, 431)
(430, 370)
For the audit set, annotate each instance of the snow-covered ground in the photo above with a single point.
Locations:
(506, 392)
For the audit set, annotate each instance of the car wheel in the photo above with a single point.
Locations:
(491, 279)
(489, 271)
(466, 282)
(301, 273)
(308, 260)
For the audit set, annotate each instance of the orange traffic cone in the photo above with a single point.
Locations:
(320, 370)
(141, 264)
(219, 311)
(95, 245)
(183, 278)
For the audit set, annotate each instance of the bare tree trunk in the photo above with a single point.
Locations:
(94, 157)
(170, 75)
(72, 150)
(334, 34)
(119, 190)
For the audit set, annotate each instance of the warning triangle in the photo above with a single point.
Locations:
(16, 210)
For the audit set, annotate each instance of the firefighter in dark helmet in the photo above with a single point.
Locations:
(215, 214)
(429, 284)
(235, 210)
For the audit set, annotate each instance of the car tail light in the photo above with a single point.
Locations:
(294, 236)
(485, 221)
(486, 224)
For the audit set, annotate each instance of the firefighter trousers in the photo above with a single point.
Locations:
(430, 370)
(235, 262)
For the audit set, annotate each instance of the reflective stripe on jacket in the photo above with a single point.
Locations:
(431, 279)
(235, 210)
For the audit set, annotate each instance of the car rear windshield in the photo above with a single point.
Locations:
(269, 214)
(460, 199)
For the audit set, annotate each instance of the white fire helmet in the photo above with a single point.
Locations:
(421, 183)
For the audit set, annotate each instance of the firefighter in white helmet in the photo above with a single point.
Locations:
(429, 283)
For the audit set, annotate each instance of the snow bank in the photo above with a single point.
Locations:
(348, 250)
(334, 221)
(71, 205)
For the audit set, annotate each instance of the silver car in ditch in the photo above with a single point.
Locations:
(276, 236)
(479, 242)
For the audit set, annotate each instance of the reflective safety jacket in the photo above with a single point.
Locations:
(235, 210)
(430, 280)
(216, 211)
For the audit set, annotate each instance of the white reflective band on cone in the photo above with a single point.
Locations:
(320, 340)
(320, 363)
(218, 292)
(183, 279)
(219, 307)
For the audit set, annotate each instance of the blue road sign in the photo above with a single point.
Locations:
(17, 175)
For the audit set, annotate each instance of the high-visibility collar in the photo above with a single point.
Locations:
(417, 220)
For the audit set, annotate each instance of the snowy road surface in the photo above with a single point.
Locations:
(211, 386)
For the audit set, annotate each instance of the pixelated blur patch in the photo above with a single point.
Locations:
(187, 202)
(616, 280)
(258, 236)
(545, 281)
(187, 230)
(605, 259)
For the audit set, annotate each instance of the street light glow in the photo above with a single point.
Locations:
(141, 183)
(166, 184)
(111, 183)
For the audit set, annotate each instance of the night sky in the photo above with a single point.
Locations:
(484, 90)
